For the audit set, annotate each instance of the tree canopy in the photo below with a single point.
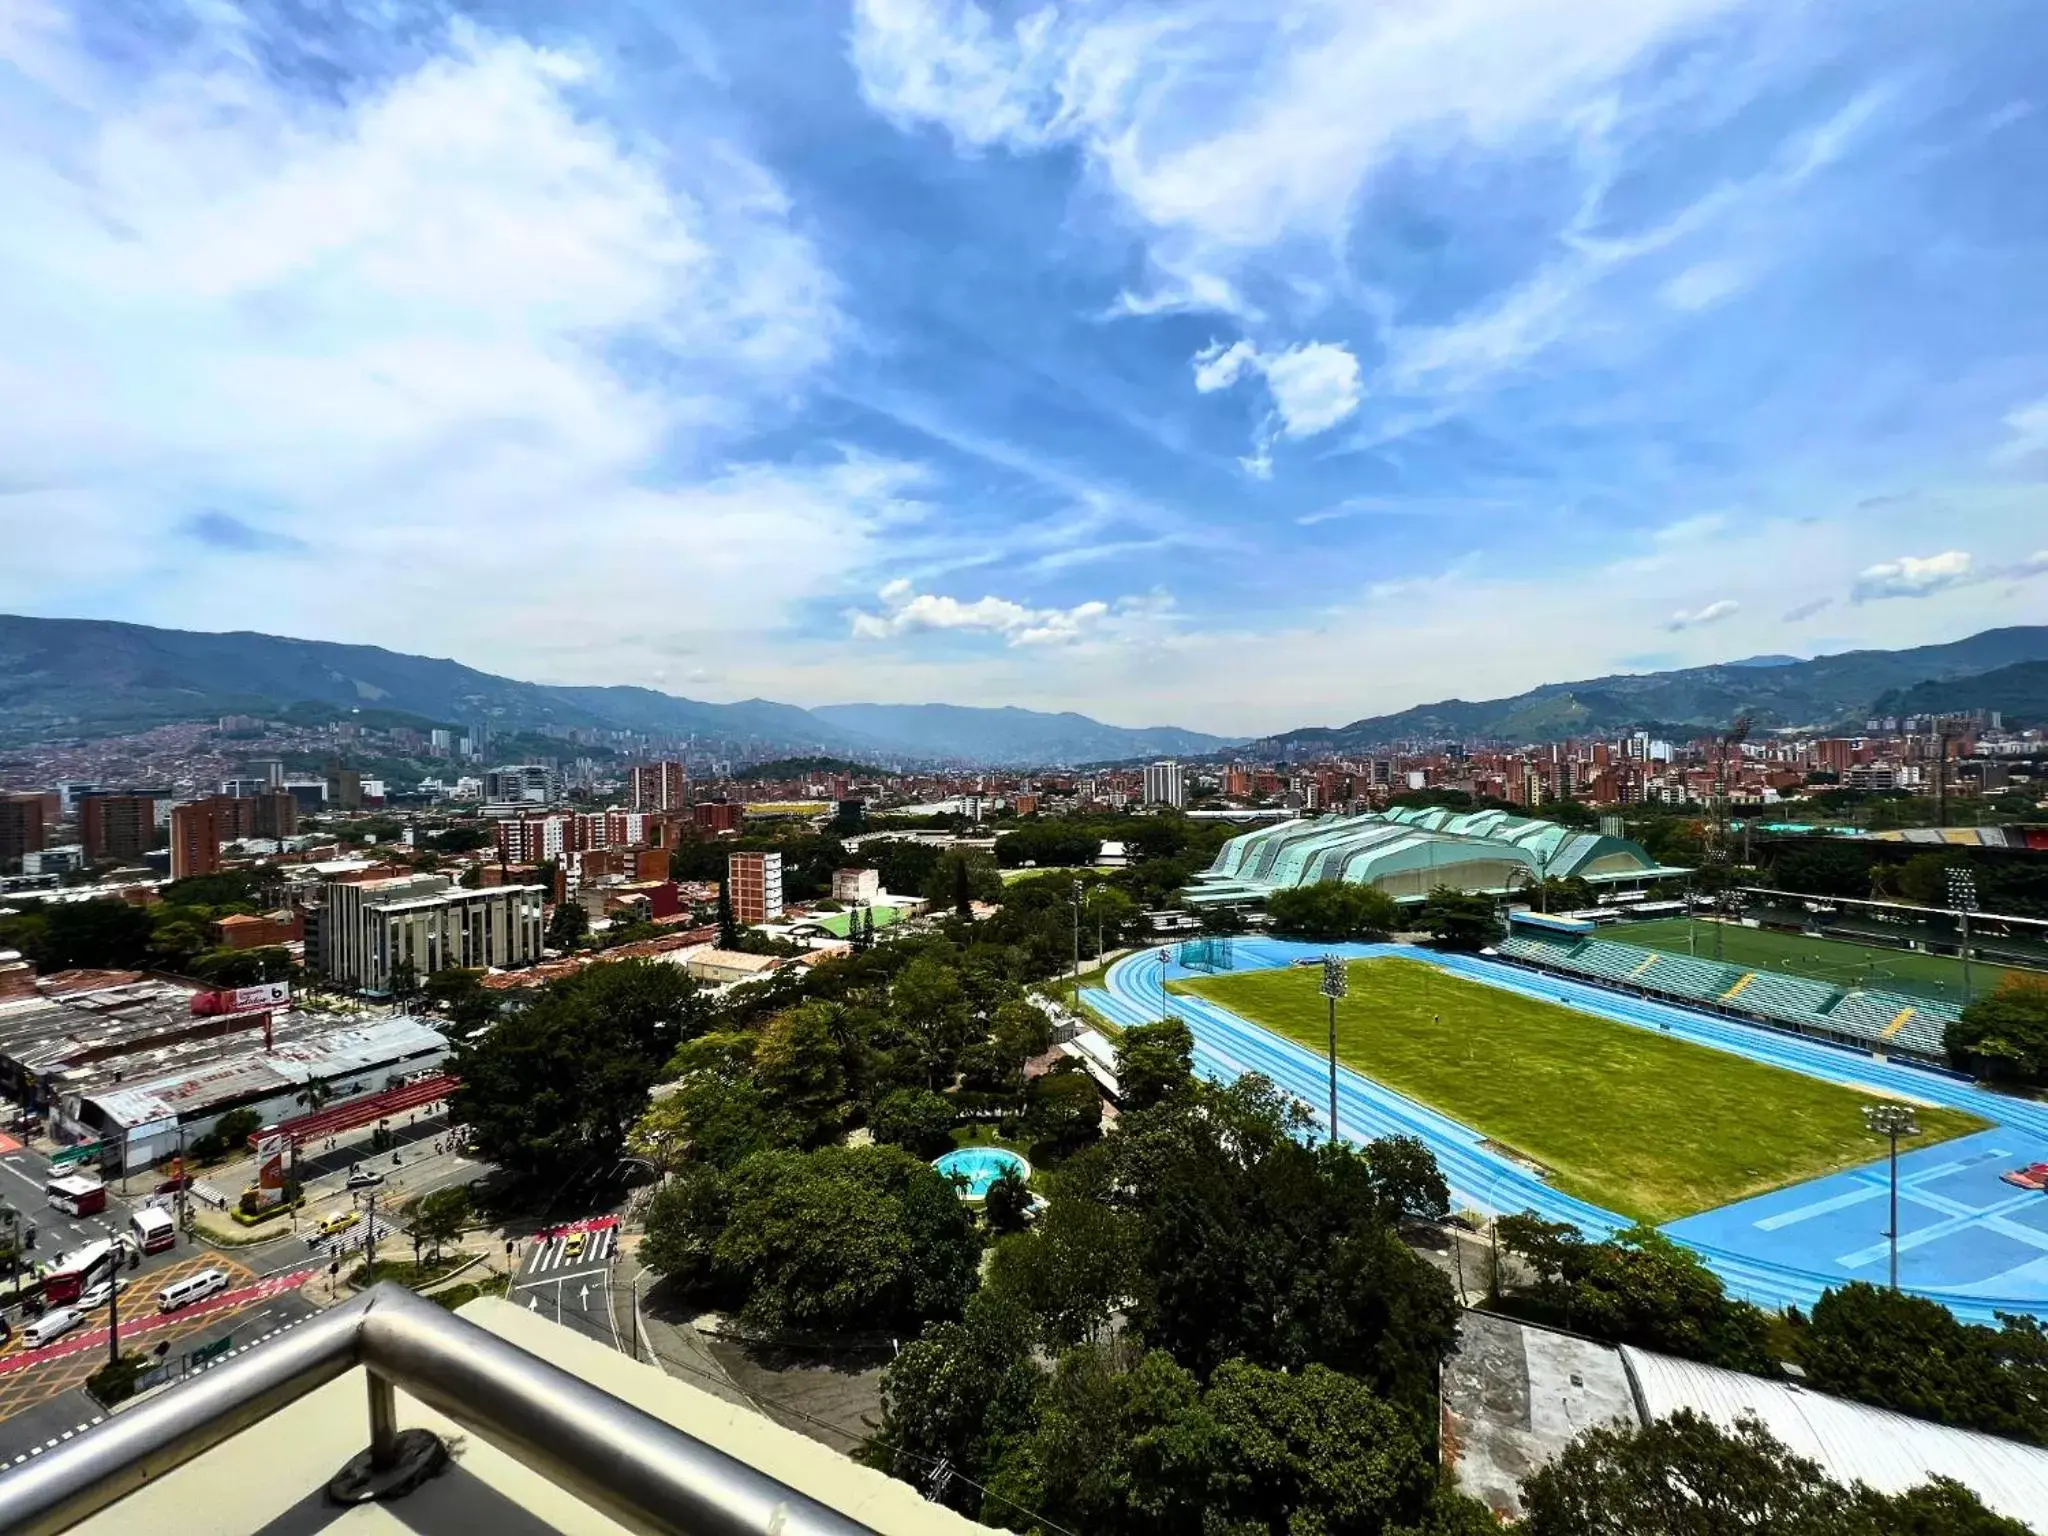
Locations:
(1333, 911)
(2004, 1034)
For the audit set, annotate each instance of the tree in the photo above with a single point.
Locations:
(1333, 911)
(93, 935)
(1063, 1108)
(1007, 1205)
(1460, 920)
(404, 981)
(840, 1238)
(963, 892)
(1686, 1476)
(2004, 1034)
(1022, 1030)
(928, 998)
(728, 929)
(1913, 1355)
(916, 1119)
(1639, 1288)
(568, 926)
(955, 1396)
(551, 1089)
(439, 1217)
(1405, 1176)
(1155, 1063)
(799, 1063)
(236, 1127)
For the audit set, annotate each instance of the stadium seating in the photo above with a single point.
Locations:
(1882, 1021)
(1791, 998)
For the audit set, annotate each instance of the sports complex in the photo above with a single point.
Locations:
(1554, 1091)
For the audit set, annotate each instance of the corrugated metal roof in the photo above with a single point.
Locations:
(1851, 1442)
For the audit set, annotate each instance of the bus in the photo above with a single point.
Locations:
(70, 1275)
(153, 1228)
(76, 1195)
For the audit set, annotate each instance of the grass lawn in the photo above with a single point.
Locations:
(1835, 960)
(1642, 1123)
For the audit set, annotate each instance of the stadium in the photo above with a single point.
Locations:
(1409, 852)
(1566, 1095)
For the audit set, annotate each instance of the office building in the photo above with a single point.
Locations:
(70, 792)
(116, 827)
(1166, 784)
(344, 788)
(754, 883)
(21, 828)
(369, 929)
(196, 838)
(659, 786)
(519, 784)
(441, 742)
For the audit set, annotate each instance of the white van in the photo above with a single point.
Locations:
(182, 1293)
(53, 1324)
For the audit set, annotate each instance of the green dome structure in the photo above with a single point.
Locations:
(1408, 852)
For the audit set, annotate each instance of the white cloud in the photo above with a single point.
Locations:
(1912, 576)
(1704, 285)
(1713, 613)
(1314, 386)
(1239, 126)
(2028, 426)
(449, 315)
(906, 611)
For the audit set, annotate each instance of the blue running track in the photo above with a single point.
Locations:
(1977, 1245)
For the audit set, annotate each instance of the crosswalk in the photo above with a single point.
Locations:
(558, 1252)
(352, 1236)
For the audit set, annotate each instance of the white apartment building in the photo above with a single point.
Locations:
(1166, 784)
(369, 928)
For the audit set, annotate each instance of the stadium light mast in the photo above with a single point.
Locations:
(1892, 1121)
(1077, 937)
(1962, 895)
(1335, 984)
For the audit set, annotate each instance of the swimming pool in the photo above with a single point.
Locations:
(980, 1167)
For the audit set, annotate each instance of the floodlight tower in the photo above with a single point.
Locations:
(1892, 1121)
(1962, 895)
(1335, 984)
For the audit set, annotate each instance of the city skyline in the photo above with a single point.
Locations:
(1151, 362)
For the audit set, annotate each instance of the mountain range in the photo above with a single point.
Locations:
(84, 678)
(1997, 669)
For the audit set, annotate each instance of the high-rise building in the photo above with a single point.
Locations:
(370, 929)
(344, 788)
(520, 784)
(533, 839)
(754, 885)
(660, 786)
(1166, 784)
(116, 826)
(21, 828)
(196, 838)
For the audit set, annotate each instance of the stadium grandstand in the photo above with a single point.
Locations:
(1863, 1018)
(1408, 852)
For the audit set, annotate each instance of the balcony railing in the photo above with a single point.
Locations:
(645, 1474)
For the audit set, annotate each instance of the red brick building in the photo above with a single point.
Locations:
(195, 838)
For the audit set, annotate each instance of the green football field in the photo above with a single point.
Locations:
(1835, 960)
(1642, 1123)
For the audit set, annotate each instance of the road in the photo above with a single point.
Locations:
(569, 1274)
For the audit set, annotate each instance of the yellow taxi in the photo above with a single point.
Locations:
(572, 1246)
(340, 1221)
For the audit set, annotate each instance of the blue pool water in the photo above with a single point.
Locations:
(980, 1167)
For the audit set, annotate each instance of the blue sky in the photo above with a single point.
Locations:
(1235, 366)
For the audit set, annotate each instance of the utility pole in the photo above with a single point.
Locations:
(114, 1306)
(1335, 984)
(370, 1242)
(1076, 893)
(1892, 1121)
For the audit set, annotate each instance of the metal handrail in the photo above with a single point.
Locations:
(642, 1472)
